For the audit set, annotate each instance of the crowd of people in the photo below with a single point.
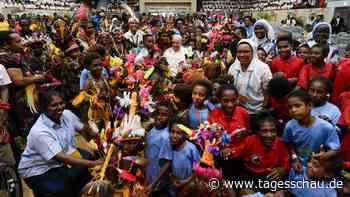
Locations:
(96, 105)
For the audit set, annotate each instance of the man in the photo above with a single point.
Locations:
(248, 25)
(134, 35)
(337, 24)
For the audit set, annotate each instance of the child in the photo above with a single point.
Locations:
(286, 64)
(279, 88)
(98, 87)
(319, 90)
(233, 118)
(264, 154)
(317, 66)
(306, 133)
(303, 52)
(200, 108)
(158, 148)
(322, 170)
(184, 155)
(262, 55)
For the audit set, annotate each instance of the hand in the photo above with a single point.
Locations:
(97, 162)
(276, 174)
(227, 153)
(321, 155)
(297, 166)
(40, 78)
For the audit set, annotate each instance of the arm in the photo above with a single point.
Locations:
(166, 165)
(19, 79)
(70, 160)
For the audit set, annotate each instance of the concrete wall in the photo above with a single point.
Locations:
(166, 6)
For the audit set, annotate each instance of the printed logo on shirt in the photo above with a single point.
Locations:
(255, 159)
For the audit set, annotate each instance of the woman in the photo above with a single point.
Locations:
(51, 164)
(320, 35)
(251, 77)
(264, 37)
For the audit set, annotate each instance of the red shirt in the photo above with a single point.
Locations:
(239, 119)
(309, 71)
(280, 107)
(341, 81)
(259, 159)
(290, 67)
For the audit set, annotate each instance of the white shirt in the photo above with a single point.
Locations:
(4, 77)
(251, 83)
(176, 59)
(136, 39)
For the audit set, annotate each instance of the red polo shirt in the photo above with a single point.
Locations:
(259, 159)
(290, 67)
(239, 119)
(341, 81)
(309, 71)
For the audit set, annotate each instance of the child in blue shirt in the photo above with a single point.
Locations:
(200, 108)
(323, 171)
(305, 133)
(319, 89)
(184, 155)
(158, 149)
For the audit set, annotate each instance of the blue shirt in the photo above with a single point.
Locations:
(197, 116)
(45, 140)
(157, 147)
(183, 161)
(308, 140)
(329, 110)
(323, 191)
(249, 31)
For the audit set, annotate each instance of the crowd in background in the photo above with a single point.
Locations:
(179, 100)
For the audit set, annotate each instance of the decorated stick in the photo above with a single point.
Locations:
(133, 105)
(105, 164)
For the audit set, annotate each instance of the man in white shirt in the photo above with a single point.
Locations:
(176, 55)
(134, 36)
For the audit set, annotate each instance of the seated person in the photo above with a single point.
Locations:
(51, 164)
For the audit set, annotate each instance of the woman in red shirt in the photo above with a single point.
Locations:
(317, 66)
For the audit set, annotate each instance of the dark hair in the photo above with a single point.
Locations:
(89, 57)
(204, 83)
(177, 120)
(167, 104)
(226, 87)
(265, 116)
(324, 48)
(147, 35)
(261, 49)
(249, 17)
(285, 37)
(224, 79)
(302, 95)
(279, 87)
(4, 37)
(45, 98)
(333, 165)
(325, 81)
(243, 31)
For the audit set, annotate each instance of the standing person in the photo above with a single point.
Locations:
(51, 164)
(320, 35)
(319, 90)
(264, 36)
(286, 64)
(6, 153)
(337, 24)
(306, 133)
(176, 55)
(134, 35)
(251, 77)
(22, 76)
(317, 66)
(248, 25)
